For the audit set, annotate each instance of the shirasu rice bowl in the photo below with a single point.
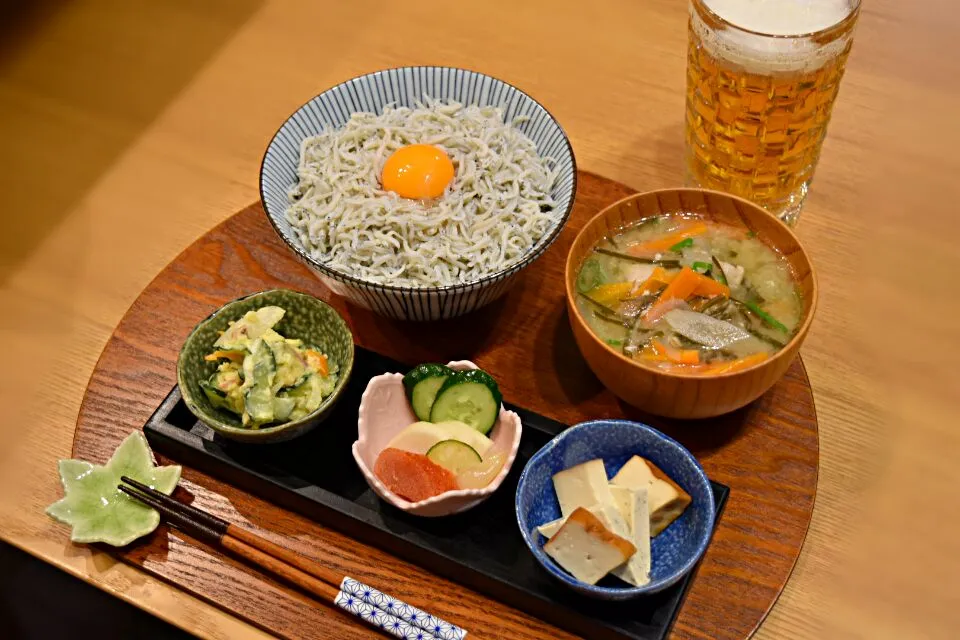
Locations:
(495, 211)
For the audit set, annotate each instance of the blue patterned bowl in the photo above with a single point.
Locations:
(403, 87)
(673, 553)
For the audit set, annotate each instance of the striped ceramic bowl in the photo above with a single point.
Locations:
(405, 86)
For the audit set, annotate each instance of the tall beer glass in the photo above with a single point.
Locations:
(762, 77)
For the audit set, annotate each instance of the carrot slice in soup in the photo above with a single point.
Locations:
(738, 364)
(610, 294)
(685, 284)
(680, 356)
(665, 242)
(657, 279)
(708, 287)
(648, 353)
(681, 287)
(680, 363)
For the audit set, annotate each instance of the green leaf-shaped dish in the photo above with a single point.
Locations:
(96, 509)
(307, 318)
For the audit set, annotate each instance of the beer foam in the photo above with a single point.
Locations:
(781, 17)
(777, 18)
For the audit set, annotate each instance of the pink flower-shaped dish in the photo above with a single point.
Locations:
(385, 411)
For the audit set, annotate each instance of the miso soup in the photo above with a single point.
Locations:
(689, 295)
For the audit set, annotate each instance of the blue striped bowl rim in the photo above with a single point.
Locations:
(536, 251)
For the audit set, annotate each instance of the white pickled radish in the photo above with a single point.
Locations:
(483, 473)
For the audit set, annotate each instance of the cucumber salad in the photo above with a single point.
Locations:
(449, 447)
(263, 377)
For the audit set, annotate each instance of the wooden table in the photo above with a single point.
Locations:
(130, 128)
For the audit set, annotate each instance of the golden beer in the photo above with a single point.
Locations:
(762, 78)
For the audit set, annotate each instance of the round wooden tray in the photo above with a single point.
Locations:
(767, 453)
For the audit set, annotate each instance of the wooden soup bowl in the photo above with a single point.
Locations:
(679, 395)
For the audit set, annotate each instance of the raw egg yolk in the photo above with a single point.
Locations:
(417, 171)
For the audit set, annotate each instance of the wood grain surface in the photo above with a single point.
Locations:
(766, 453)
(132, 127)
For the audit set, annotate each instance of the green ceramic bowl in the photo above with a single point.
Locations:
(312, 320)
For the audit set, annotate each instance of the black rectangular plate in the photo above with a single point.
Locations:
(482, 548)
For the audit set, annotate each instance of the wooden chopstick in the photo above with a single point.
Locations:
(224, 528)
(246, 551)
(376, 608)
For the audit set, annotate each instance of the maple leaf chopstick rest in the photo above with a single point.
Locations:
(96, 509)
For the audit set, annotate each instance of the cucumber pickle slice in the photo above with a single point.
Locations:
(422, 384)
(472, 397)
(454, 455)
